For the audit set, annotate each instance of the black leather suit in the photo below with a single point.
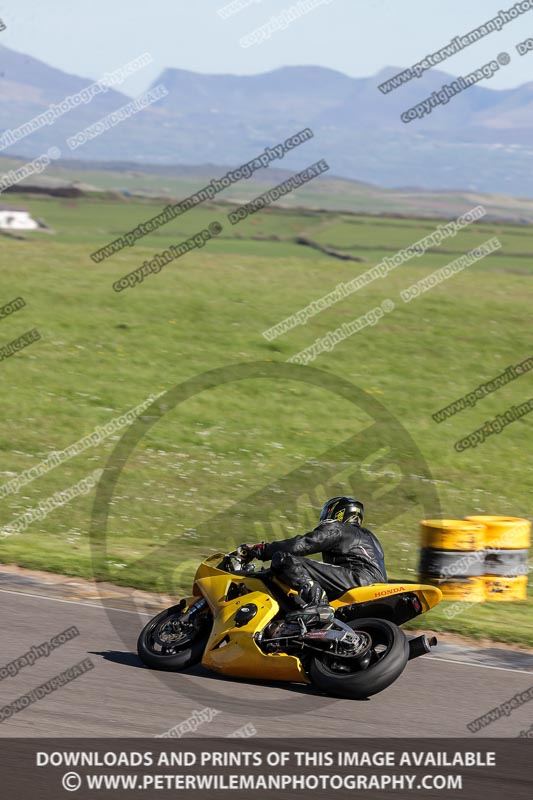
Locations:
(352, 556)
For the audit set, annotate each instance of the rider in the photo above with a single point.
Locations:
(352, 555)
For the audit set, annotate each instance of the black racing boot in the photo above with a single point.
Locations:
(314, 611)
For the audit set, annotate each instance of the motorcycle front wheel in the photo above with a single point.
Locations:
(351, 679)
(172, 641)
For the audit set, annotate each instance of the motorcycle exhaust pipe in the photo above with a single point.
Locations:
(420, 645)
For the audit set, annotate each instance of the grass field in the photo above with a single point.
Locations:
(201, 478)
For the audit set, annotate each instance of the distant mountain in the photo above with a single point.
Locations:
(479, 141)
(28, 87)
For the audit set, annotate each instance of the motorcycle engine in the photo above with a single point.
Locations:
(279, 635)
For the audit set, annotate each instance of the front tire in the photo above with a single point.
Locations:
(169, 644)
(389, 656)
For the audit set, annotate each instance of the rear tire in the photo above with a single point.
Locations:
(390, 653)
(185, 652)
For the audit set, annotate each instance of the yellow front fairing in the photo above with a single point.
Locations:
(232, 649)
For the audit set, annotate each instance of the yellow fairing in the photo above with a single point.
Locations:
(231, 649)
(429, 596)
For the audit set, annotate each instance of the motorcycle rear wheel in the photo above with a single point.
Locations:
(166, 644)
(390, 653)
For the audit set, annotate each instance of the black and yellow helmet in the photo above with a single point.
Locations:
(343, 509)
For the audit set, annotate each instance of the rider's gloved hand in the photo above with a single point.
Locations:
(251, 551)
(312, 594)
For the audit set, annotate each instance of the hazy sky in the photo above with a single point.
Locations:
(357, 37)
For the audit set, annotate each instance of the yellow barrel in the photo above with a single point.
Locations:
(452, 534)
(470, 590)
(505, 589)
(505, 533)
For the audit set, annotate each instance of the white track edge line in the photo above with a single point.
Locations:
(146, 614)
(476, 664)
(77, 603)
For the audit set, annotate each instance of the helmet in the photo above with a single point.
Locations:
(343, 509)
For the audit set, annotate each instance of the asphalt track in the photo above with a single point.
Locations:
(436, 696)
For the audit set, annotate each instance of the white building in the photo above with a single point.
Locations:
(16, 218)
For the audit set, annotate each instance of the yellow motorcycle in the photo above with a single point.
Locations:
(244, 622)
